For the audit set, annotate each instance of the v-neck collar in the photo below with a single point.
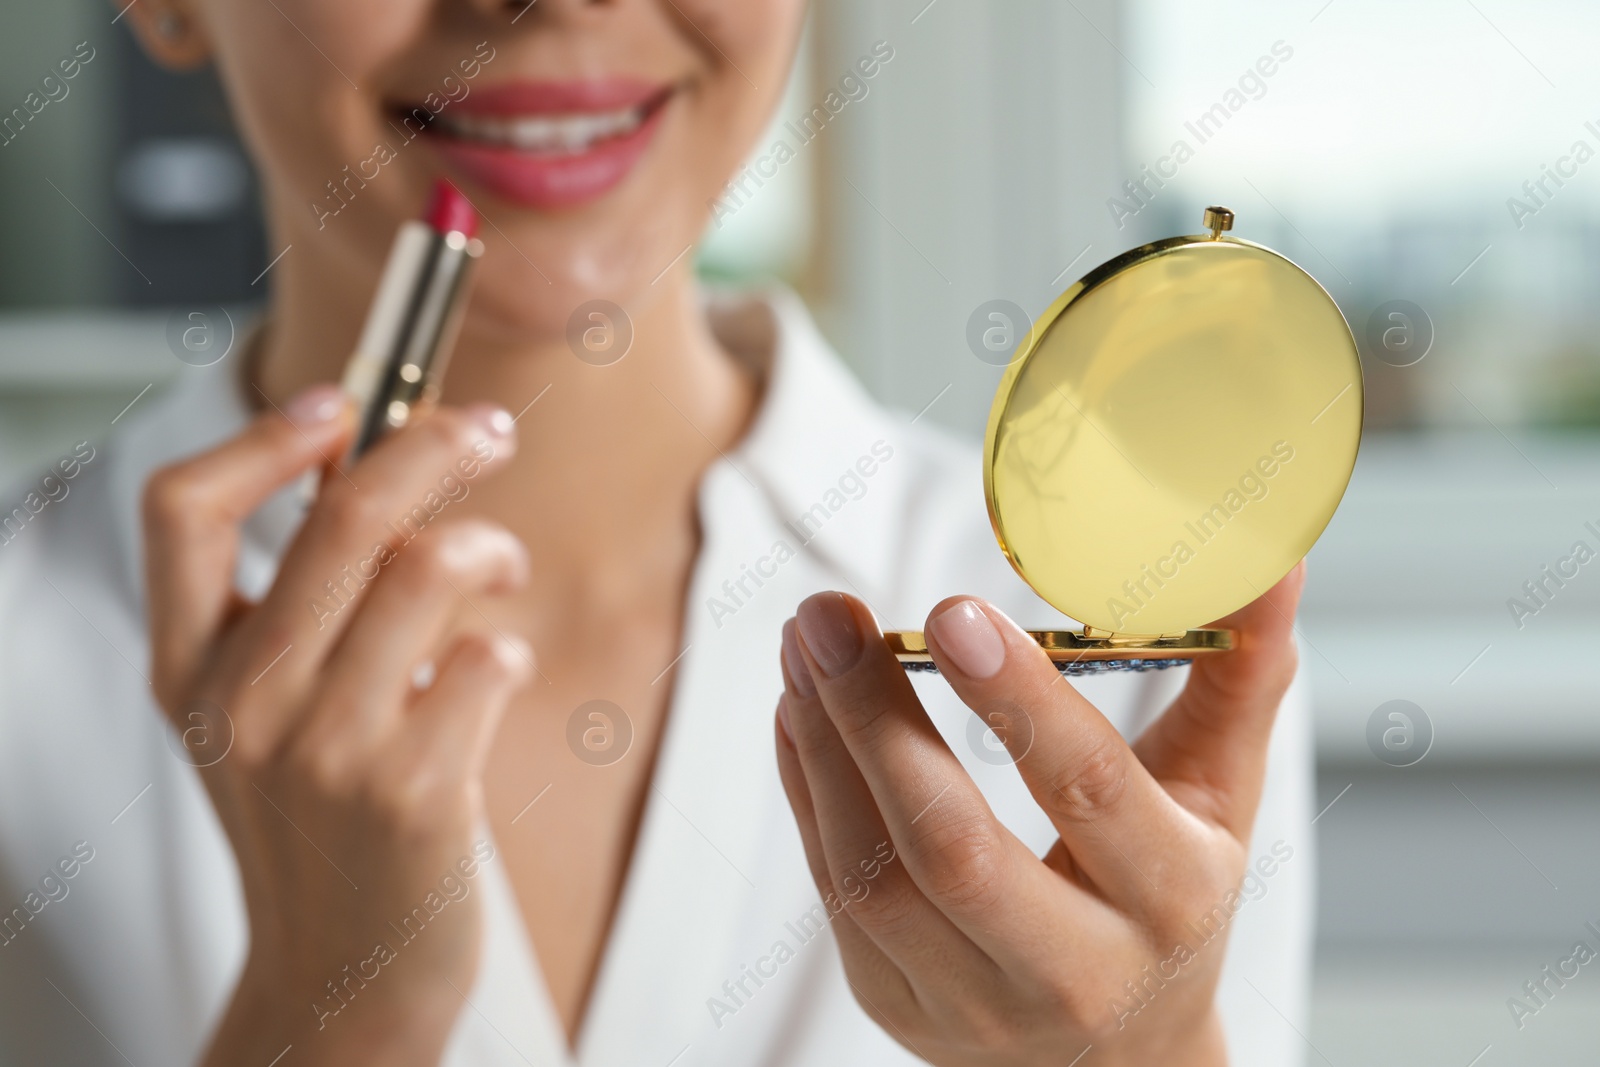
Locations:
(704, 862)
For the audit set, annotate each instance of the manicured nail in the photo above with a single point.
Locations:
(783, 721)
(519, 648)
(830, 631)
(799, 673)
(495, 420)
(316, 405)
(965, 633)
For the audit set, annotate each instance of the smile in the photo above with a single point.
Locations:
(549, 145)
(552, 134)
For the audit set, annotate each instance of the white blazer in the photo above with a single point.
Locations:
(130, 957)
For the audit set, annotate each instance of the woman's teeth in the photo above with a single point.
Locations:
(544, 133)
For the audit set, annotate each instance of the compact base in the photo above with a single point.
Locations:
(1074, 653)
(1098, 666)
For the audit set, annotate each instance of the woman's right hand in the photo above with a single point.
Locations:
(351, 799)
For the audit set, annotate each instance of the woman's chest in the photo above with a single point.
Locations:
(565, 788)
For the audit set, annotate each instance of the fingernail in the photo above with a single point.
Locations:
(521, 565)
(799, 673)
(829, 628)
(965, 633)
(783, 721)
(316, 405)
(517, 654)
(495, 420)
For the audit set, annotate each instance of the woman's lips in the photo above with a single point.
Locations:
(550, 145)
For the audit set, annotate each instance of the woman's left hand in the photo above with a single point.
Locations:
(962, 943)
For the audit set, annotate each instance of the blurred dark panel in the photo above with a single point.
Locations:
(127, 186)
(183, 191)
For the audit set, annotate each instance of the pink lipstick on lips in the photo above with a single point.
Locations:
(551, 145)
(394, 375)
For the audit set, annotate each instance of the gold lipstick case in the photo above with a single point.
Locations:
(395, 373)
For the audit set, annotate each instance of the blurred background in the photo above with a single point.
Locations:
(1433, 163)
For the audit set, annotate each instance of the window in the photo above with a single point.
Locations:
(1436, 152)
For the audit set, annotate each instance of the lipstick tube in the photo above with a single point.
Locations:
(395, 373)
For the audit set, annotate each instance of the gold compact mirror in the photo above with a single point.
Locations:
(1169, 441)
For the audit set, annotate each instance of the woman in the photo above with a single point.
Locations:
(512, 799)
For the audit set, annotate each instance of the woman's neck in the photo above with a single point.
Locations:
(607, 455)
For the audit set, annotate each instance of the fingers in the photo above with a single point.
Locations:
(864, 960)
(424, 782)
(445, 740)
(1120, 827)
(1210, 748)
(192, 512)
(389, 500)
(890, 908)
(402, 622)
(961, 858)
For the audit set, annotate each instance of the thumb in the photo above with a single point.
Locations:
(1210, 747)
